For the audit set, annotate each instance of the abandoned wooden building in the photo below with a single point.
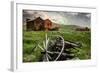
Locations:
(40, 24)
(36, 24)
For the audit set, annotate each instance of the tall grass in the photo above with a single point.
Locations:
(32, 53)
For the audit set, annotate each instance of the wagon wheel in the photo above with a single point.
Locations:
(48, 53)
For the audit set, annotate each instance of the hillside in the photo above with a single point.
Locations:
(31, 53)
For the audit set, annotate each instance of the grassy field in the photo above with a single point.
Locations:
(31, 53)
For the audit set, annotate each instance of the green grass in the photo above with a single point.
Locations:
(32, 38)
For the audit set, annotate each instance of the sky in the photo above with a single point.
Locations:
(63, 18)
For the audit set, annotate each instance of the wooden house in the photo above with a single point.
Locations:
(39, 24)
(36, 24)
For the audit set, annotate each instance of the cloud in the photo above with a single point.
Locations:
(72, 18)
(88, 15)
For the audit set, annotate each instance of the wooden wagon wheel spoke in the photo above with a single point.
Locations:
(49, 56)
(46, 47)
(40, 47)
(49, 52)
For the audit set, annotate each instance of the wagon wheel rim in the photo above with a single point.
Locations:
(59, 53)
